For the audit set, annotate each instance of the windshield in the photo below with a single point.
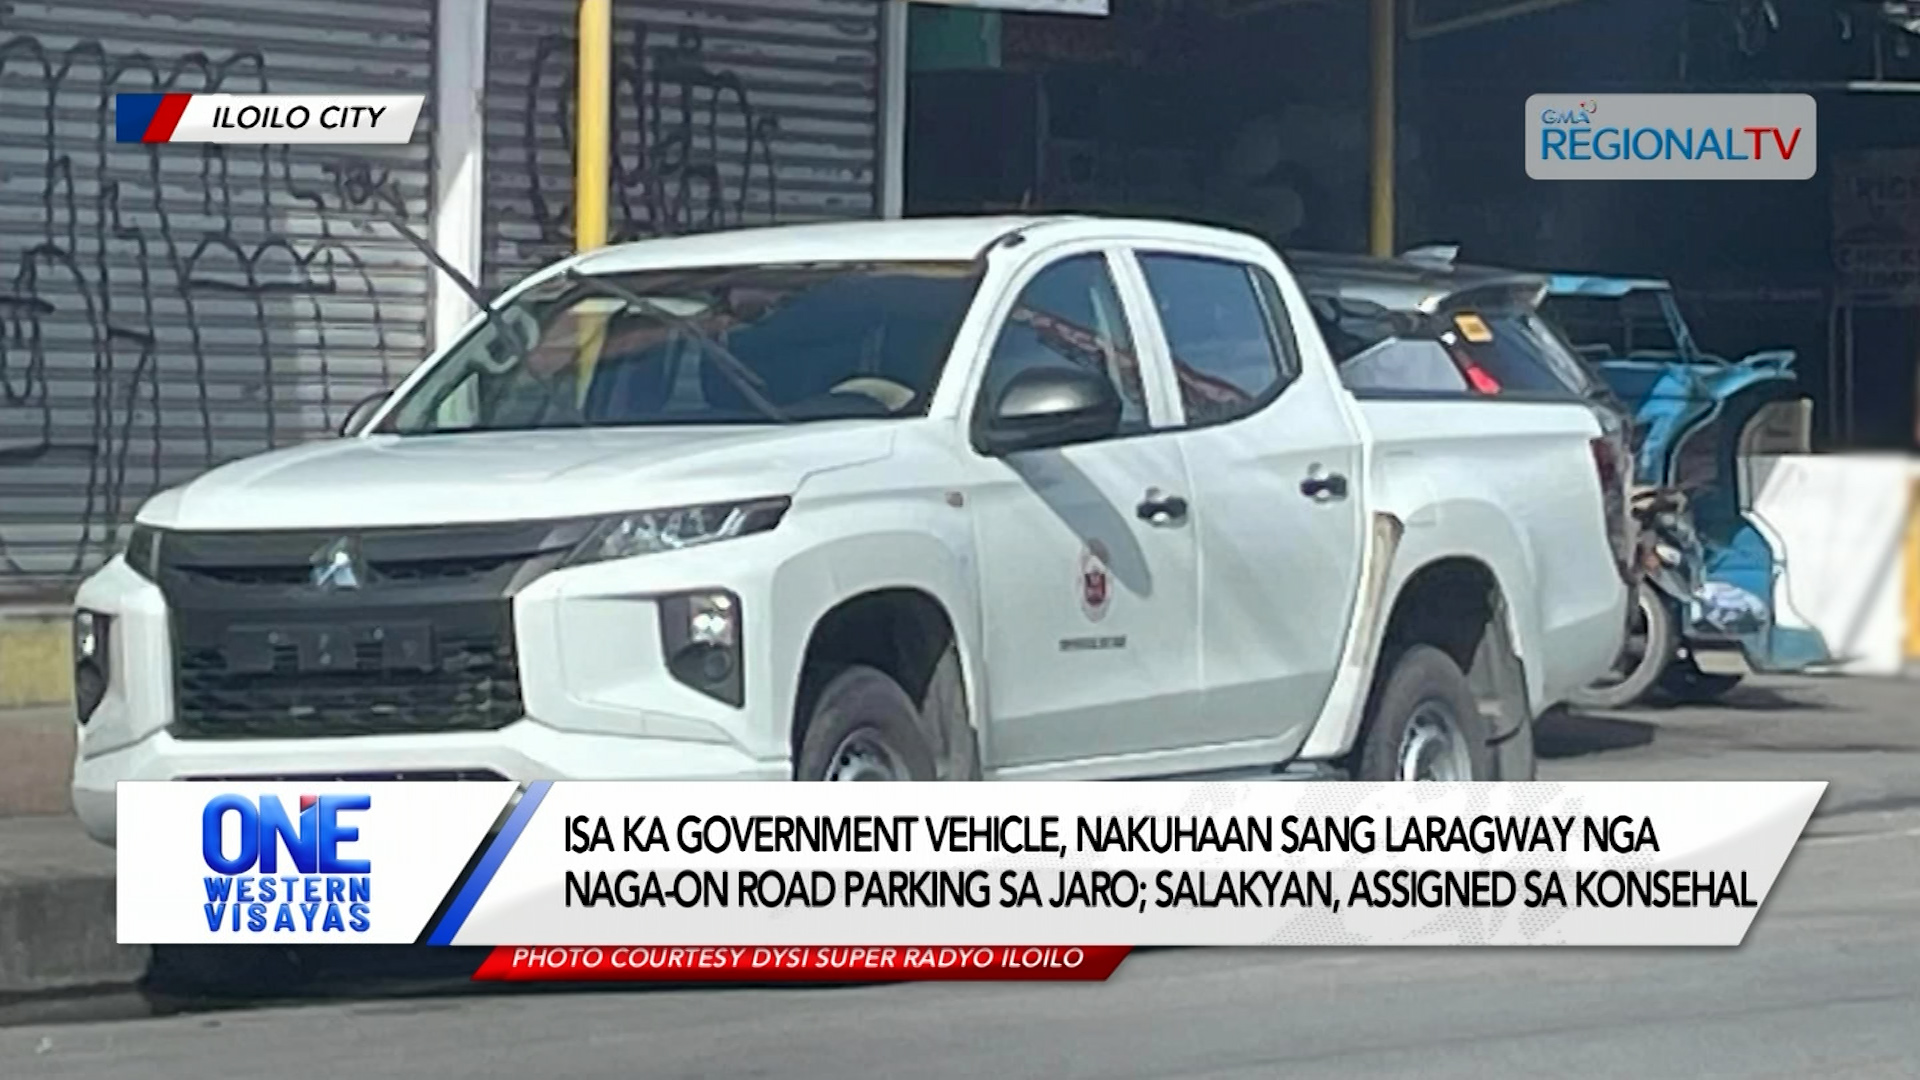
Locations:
(718, 345)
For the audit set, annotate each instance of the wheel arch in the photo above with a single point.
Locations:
(910, 634)
(1458, 604)
(1417, 583)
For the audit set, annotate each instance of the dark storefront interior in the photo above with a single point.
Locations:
(1254, 114)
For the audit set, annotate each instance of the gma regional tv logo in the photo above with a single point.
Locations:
(278, 870)
(1671, 137)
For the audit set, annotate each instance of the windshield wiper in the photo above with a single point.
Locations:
(736, 372)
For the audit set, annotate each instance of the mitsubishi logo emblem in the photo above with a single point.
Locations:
(338, 567)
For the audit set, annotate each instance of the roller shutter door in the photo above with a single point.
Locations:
(170, 308)
(726, 113)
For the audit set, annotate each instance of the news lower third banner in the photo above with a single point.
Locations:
(717, 880)
(289, 119)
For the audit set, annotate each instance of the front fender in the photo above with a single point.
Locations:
(916, 542)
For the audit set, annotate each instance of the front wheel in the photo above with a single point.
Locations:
(1424, 724)
(860, 724)
(1643, 656)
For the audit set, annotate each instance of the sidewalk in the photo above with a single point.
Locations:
(56, 884)
(36, 760)
(56, 910)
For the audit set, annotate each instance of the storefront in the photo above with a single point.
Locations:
(1248, 113)
(172, 308)
(724, 113)
(177, 307)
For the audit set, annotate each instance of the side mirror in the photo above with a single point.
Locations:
(1047, 407)
(362, 412)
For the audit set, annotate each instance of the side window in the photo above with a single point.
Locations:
(1070, 315)
(1232, 350)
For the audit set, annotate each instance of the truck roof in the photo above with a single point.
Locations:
(934, 239)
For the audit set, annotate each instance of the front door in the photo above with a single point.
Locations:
(1087, 566)
(1275, 458)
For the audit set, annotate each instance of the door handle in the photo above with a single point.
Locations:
(1158, 509)
(1324, 488)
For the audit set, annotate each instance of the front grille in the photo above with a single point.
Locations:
(421, 641)
(471, 683)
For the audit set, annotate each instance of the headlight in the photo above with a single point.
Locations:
(143, 551)
(649, 531)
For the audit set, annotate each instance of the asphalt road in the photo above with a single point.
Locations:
(1828, 983)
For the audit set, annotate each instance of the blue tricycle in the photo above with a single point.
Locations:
(1711, 573)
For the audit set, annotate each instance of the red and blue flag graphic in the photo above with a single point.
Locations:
(147, 118)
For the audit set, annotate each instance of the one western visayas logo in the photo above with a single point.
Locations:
(316, 887)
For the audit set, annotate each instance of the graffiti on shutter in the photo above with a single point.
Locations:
(164, 309)
(724, 115)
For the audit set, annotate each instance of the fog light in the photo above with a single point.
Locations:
(711, 621)
(700, 635)
(92, 667)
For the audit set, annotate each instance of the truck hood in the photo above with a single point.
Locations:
(392, 480)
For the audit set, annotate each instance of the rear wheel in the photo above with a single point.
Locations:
(860, 725)
(1424, 724)
(1643, 657)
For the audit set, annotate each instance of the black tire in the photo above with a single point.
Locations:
(862, 712)
(943, 715)
(1646, 654)
(1426, 688)
(1685, 683)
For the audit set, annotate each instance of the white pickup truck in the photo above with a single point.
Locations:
(1000, 498)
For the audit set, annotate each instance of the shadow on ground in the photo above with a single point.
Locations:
(226, 978)
(1749, 698)
(1571, 734)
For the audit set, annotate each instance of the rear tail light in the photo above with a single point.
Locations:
(1610, 461)
(1482, 382)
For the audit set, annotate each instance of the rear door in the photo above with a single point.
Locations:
(1275, 458)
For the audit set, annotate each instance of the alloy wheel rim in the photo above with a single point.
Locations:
(863, 757)
(1434, 748)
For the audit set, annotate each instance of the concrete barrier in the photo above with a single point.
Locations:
(57, 911)
(1849, 528)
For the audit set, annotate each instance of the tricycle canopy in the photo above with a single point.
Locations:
(1699, 421)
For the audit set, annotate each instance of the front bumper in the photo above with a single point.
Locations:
(528, 750)
(597, 698)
